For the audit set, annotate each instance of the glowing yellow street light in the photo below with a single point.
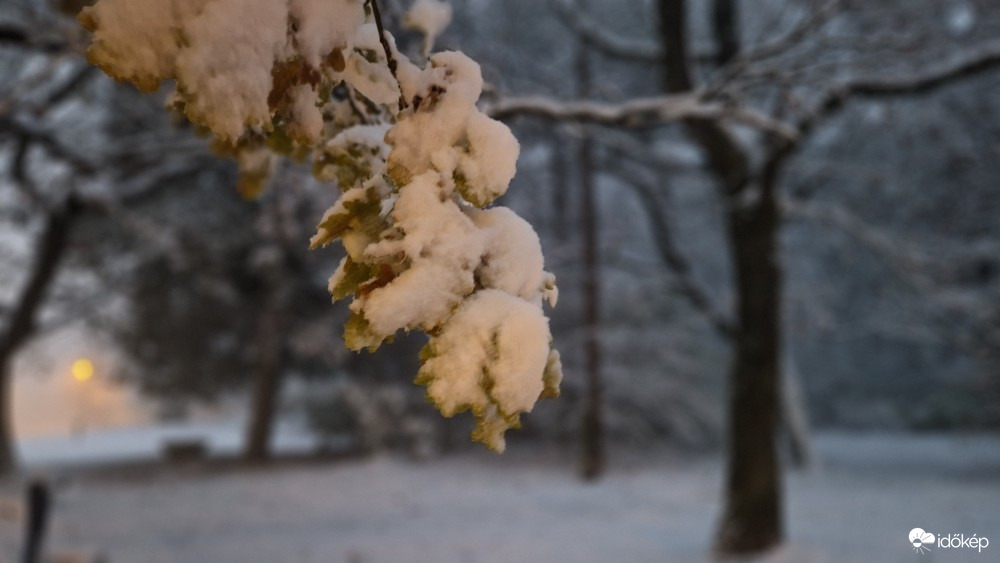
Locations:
(82, 370)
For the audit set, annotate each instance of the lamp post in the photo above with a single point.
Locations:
(82, 371)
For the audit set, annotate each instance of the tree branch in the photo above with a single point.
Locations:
(49, 142)
(726, 30)
(19, 171)
(51, 247)
(639, 112)
(935, 76)
(727, 158)
(17, 37)
(68, 88)
(390, 59)
(738, 65)
(920, 82)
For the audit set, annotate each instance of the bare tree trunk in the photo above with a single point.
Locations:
(8, 460)
(752, 518)
(38, 499)
(593, 458)
(593, 454)
(267, 381)
(725, 28)
(49, 252)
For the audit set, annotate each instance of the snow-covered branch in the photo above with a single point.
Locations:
(638, 112)
(965, 65)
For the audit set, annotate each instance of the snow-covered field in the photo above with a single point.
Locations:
(859, 506)
(144, 443)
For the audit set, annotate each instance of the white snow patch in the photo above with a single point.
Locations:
(325, 25)
(513, 260)
(528, 506)
(429, 17)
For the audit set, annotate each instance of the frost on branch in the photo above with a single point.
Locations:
(417, 164)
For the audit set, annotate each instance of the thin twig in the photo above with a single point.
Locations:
(803, 30)
(390, 59)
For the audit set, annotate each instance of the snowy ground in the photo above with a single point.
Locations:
(858, 507)
(144, 443)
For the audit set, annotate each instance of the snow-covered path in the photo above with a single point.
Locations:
(859, 506)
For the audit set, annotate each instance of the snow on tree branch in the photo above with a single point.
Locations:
(638, 112)
(933, 76)
(930, 77)
(417, 164)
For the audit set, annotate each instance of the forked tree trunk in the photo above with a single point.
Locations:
(593, 454)
(752, 517)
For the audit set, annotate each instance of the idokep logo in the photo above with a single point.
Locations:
(961, 541)
(922, 541)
